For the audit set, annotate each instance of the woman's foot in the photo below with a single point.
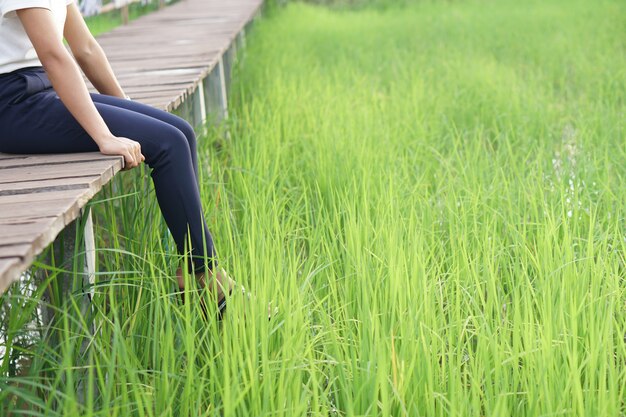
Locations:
(219, 284)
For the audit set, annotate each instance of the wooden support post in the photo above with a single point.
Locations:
(229, 60)
(233, 52)
(223, 92)
(199, 106)
(87, 290)
(77, 278)
(60, 287)
(125, 14)
(90, 253)
(161, 4)
(212, 93)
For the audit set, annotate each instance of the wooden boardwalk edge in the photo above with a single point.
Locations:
(31, 221)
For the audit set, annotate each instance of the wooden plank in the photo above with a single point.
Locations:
(156, 94)
(43, 198)
(133, 66)
(18, 231)
(15, 250)
(27, 187)
(30, 211)
(151, 53)
(156, 78)
(52, 159)
(70, 170)
(169, 88)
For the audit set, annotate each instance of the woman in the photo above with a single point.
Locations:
(45, 107)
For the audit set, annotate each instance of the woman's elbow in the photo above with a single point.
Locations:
(86, 52)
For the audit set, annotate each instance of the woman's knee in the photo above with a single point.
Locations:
(171, 145)
(187, 130)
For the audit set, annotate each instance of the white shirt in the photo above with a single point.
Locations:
(16, 49)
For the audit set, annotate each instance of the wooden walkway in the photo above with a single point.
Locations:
(178, 59)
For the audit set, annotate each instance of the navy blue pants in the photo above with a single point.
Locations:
(33, 120)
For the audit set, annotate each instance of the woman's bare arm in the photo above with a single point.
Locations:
(89, 54)
(69, 85)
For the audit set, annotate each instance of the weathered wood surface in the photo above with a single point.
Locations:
(39, 196)
(161, 59)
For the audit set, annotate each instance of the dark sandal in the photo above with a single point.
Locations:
(221, 303)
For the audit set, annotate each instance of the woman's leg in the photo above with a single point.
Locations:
(171, 119)
(42, 124)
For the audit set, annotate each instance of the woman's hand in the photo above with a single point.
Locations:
(129, 149)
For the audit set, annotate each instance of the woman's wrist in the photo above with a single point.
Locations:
(102, 138)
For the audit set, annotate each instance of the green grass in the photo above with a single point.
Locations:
(432, 196)
(106, 22)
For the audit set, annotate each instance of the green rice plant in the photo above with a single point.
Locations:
(432, 197)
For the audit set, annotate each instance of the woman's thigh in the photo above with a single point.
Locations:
(171, 119)
(42, 124)
(180, 123)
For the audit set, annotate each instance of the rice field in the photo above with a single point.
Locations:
(431, 197)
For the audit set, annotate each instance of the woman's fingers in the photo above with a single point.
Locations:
(129, 161)
(136, 156)
(139, 158)
(129, 149)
